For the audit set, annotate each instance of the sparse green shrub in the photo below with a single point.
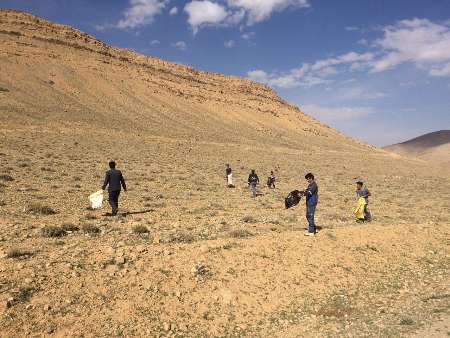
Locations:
(53, 231)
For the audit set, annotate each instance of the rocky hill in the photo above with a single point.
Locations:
(432, 147)
(57, 74)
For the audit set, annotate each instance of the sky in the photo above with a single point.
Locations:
(377, 70)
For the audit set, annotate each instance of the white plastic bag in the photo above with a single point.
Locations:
(96, 199)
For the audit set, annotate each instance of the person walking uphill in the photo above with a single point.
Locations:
(312, 198)
(229, 176)
(253, 181)
(115, 181)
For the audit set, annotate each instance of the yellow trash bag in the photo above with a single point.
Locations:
(359, 211)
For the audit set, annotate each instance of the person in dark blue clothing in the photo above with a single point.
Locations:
(115, 181)
(312, 197)
(253, 181)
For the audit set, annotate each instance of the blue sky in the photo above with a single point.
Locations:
(378, 70)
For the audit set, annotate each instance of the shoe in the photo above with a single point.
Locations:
(307, 233)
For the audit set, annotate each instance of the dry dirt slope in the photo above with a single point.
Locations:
(213, 262)
(433, 148)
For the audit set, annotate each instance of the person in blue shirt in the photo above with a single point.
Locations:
(312, 197)
(362, 191)
(253, 181)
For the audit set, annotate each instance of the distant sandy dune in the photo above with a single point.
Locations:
(433, 147)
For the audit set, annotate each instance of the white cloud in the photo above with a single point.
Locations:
(441, 71)
(258, 76)
(141, 13)
(173, 11)
(352, 93)
(229, 44)
(248, 36)
(261, 76)
(291, 80)
(204, 12)
(155, 42)
(363, 42)
(419, 41)
(314, 74)
(336, 113)
(260, 10)
(234, 12)
(181, 45)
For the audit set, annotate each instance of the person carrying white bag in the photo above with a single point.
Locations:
(115, 181)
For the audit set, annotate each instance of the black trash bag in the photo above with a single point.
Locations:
(292, 199)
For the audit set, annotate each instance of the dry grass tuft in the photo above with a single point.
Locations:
(6, 178)
(70, 227)
(24, 294)
(181, 237)
(249, 219)
(140, 229)
(18, 253)
(90, 229)
(41, 210)
(240, 233)
(53, 231)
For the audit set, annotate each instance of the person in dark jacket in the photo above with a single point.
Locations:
(115, 181)
(271, 180)
(312, 197)
(253, 181)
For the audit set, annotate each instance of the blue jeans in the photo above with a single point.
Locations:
(310, 210)
(253, 189)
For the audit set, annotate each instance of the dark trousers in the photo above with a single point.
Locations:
(114, 200)
(310, 211)
(367, 215)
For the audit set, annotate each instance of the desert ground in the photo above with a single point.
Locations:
(187, 256)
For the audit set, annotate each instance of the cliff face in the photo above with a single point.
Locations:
(53, 73)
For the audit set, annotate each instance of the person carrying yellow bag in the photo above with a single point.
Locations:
(362, 212)
(359, 211)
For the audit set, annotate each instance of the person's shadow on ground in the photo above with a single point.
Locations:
(126, 213)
